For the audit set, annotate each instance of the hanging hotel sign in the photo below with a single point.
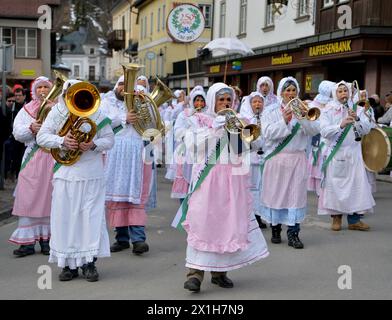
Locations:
(282, 59)
(185, 23)
(330, 48)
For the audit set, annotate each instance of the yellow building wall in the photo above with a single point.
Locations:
(131, 33)
(156, 42)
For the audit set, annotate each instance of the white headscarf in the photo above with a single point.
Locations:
(211, 96)
(197, 88)
(325, 92)
(121, 79)
(194, 94)
(144, 78)
(334, 94)
(270, 98)
(37, 82)
(281, 85)
(246, 107)
(177, 93)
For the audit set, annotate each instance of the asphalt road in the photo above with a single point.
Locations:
(311, 273)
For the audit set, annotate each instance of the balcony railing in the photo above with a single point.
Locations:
(116, 40)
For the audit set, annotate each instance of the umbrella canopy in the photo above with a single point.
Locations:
(222, 46)
(226, 46)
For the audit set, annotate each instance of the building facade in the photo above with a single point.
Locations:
(81, 51)
(123, 40)
(32, 45)
(351, 40)
(157, 51)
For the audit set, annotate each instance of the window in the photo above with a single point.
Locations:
(328, 3)
(222, 22)
(164, 17)
(92, 51)
(5, 35)
(145, 27)
(159, 19)
(76, 71)
(142, 28)
(243, 8)
(123, 22)
(103, 72)
(26, 43)
(206, 9)
(303, 8)
(269, 16)
(91, 73)
(152, 23)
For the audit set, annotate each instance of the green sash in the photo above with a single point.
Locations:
(204, 173)
(281, 146)
(338, 144)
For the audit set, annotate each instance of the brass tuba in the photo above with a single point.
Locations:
(311, 114)
(149, 123)
(53, 94)
(82, 100)
(235, 125)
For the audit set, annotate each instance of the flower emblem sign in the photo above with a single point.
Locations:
(185, 23)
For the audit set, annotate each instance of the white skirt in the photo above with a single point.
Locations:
(210, 261)
(78, 224)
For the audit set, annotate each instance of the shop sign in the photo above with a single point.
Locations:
(283, 59)
(330, 48)
(308, 83)
(236, 65)
(27, 72)
(215, 69)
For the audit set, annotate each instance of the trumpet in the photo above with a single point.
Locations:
(310, 114)
(235, 125)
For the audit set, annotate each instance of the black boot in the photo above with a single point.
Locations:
(119, 246)
(90, 272)
(192, 284)
(140, 247)
(276, 230)
(24, 250)
(68, 274)
(45, 249)
(262, 225)
(294, 241)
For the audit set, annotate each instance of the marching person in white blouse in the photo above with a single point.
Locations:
(33, 193)
(345, 189)
(79, 234)
(252, 109)
(284, 180)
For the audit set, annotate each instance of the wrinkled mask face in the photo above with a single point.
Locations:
(42, 91)
(120, 91)
(257, 104)
(289, 93)
(264, 88)
(342, 93)
(199, 102)
(223, 101)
